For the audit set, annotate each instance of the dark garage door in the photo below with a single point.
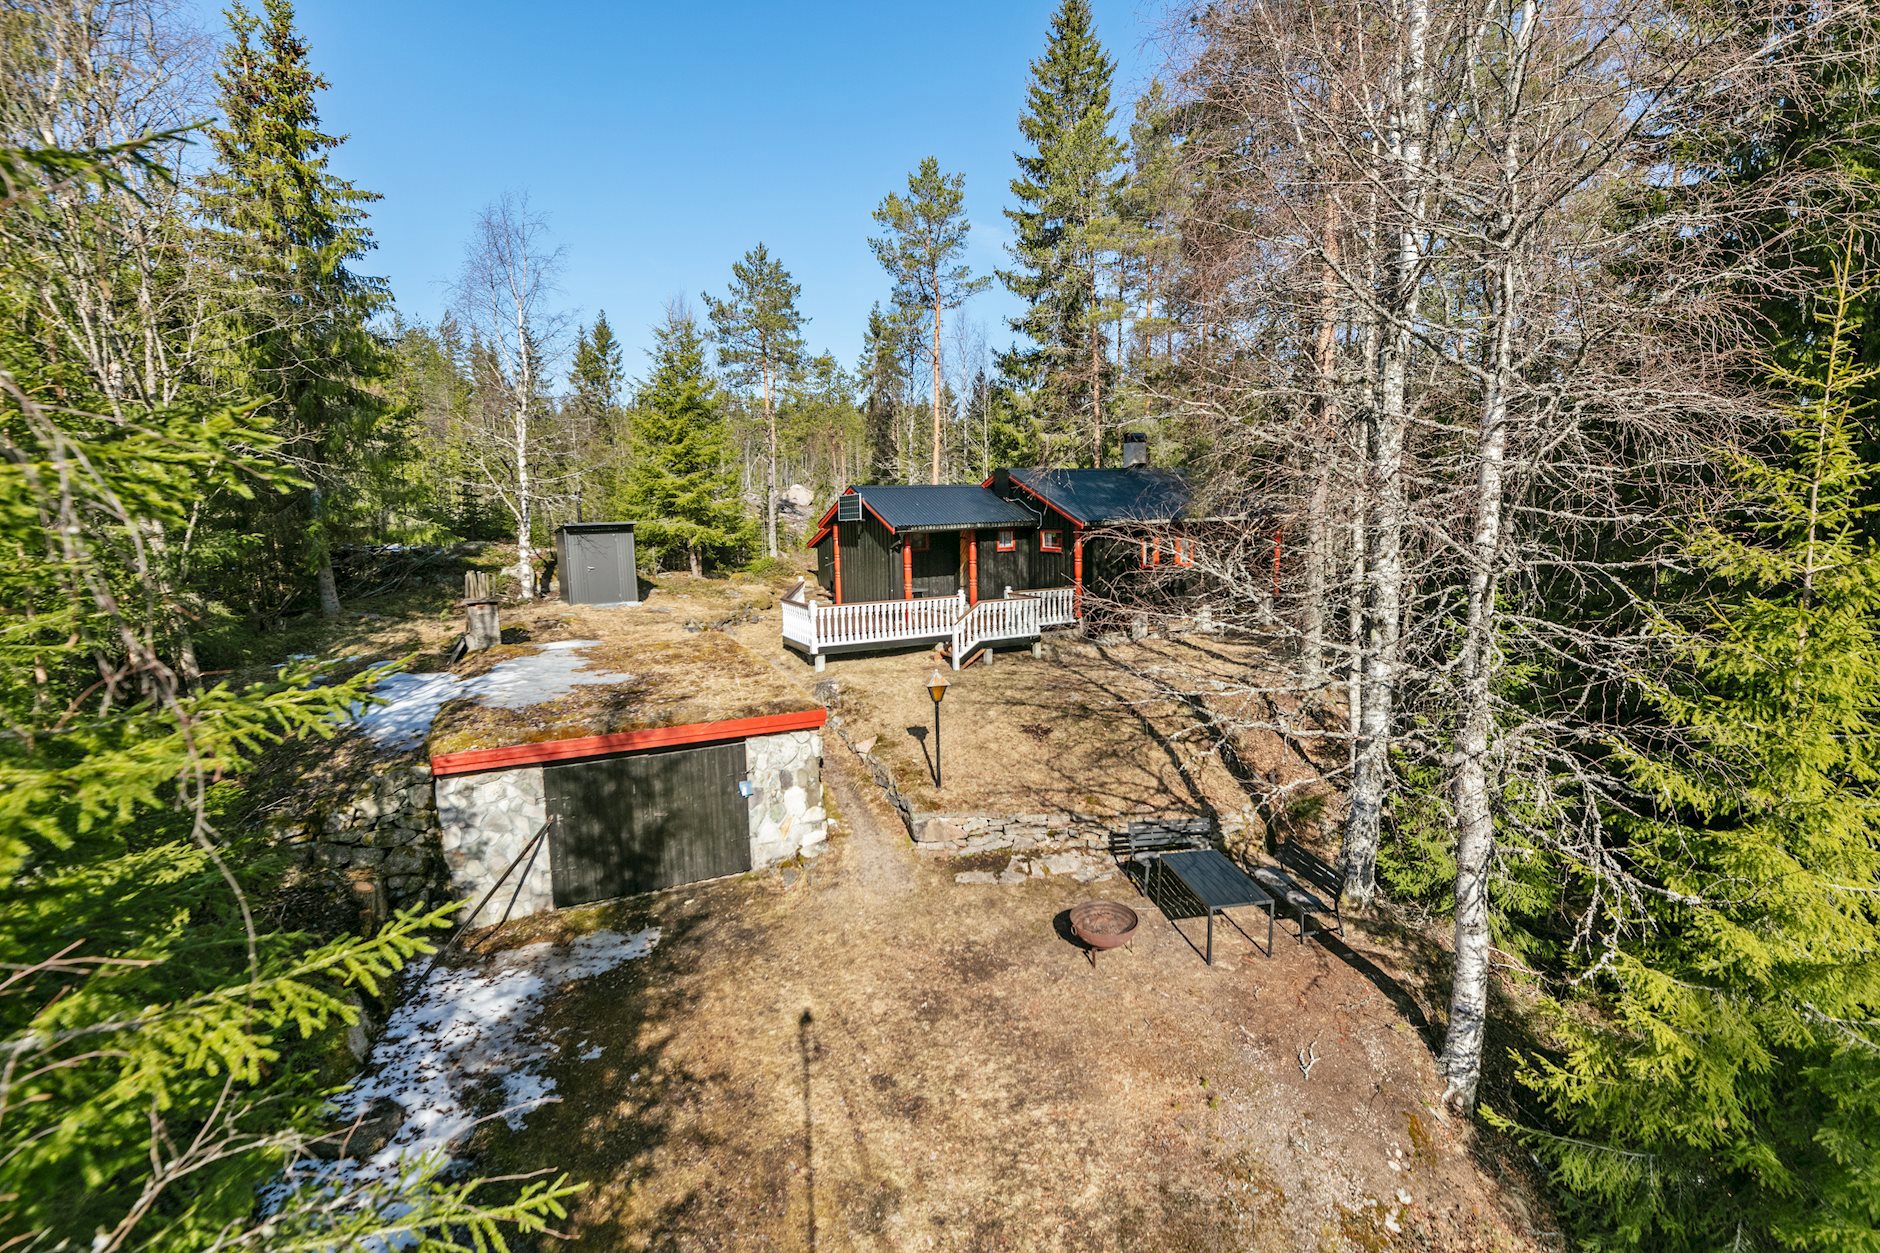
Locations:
(651, 820)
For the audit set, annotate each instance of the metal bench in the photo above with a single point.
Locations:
(1304, 884)
(1144, 841)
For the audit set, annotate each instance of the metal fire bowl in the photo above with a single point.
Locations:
(1103, 924)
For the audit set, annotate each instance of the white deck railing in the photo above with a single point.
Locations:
(1012, 618)
(816, 629)
(1058, 604)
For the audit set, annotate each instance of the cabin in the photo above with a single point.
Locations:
(968, 567)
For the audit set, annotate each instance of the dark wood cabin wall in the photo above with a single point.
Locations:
(826, 564)
(1052, 569)
(997, 570)
(871, 564)
(937, 571)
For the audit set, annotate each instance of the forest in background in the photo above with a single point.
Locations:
(1542, 332)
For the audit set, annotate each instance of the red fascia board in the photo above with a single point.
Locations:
(624, 742)
(1047, 501)
(823, 524)
(878, 517)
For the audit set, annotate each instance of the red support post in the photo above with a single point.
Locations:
(907, 569)
(835, 538)
(1077, 574)
(971, 540)
(1276, 547)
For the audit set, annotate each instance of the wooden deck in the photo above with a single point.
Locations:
(818, 630)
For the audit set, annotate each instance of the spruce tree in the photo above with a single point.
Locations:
(290, 232)
(1726, 1089)
(681, 487)
(760, 339)
(591, 415)
(1065, 222)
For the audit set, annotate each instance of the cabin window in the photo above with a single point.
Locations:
(1050, 541)
(919, 543)
(1184, 551)
(1008, 540)
(1151, 553)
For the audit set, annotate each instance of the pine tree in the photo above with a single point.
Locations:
(1065, 222)
(291, 231)
(1726, 1092)
(681, 488)
(926, 235)
(760, 339)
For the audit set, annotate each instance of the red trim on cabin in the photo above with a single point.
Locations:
(1276, 546)
(824, 524)
(1077, 573)
(971, 540)
(1045, 546)
(624, 741)
(878, 517)
(1048, 502)
(1004, 544)
(907, 571)
(837, 545)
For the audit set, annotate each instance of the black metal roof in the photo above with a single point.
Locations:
(943, 507)
(1099, 497)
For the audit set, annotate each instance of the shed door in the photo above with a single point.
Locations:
(600, 577)
(651, 820)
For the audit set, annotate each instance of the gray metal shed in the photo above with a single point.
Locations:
(595, 565)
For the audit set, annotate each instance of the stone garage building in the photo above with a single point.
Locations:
(635, 809)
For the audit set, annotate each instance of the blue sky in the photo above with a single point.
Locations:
(662, 141)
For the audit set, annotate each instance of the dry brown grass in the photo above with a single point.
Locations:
(874, 1058)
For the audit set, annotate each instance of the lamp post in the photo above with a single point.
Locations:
(937, 688)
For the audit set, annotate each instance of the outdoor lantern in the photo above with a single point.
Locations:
(937, 688)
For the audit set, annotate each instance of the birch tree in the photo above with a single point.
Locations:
(502, 297)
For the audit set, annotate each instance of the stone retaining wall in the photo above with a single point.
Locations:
(975, 833)
(387, 833)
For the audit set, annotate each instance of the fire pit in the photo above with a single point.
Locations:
(1103, 924)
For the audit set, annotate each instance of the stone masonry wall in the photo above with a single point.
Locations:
(786, 802)
(386, 833)
(486, 820)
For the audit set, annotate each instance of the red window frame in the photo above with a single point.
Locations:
(920, 541)
(1184, 550)
(1150, 554)
(1007, 540)
(1051, 540)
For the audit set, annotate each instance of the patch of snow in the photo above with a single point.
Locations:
(589, 1051)
(455, 1039)
(412, 700)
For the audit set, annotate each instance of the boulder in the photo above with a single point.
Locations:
(937, 831)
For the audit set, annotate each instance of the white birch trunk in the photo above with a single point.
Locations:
(1383, 630)
(1471, 786)
(770, 477)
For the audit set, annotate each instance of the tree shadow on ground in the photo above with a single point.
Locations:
(615, 1110)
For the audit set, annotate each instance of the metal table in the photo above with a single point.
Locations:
(1218, 884)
